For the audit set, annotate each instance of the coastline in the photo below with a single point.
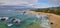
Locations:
(52, 17)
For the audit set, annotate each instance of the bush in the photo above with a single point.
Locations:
(55, 10)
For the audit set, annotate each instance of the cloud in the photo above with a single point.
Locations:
(39, 5)
(54, 1)
(18, 2)
(30, 3)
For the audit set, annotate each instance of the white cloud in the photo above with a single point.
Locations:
(28, 3)
(54, 1)
(39, 5)
(18, 2)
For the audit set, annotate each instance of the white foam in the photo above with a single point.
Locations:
(9, 24)
(44, 21)
(17, 20)
(4, 17)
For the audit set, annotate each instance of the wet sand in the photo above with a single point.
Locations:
(55, 19)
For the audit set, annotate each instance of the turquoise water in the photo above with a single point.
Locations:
(25, 19)
(44, 21)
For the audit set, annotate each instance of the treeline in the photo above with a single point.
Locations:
(55, 10)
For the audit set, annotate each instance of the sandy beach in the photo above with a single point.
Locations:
(52, 17)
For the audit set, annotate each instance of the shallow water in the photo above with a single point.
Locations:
(26, 19)
(43, 21)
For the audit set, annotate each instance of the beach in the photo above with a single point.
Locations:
(55, 19)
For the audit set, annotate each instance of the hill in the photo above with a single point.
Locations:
(54, 10)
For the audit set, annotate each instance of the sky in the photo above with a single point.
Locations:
(31, 3)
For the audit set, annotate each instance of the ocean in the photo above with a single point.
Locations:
(26, 19)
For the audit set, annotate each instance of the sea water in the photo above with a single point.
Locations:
(25, 19)
(43, 21)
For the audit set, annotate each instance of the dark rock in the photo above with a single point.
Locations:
(3, 19)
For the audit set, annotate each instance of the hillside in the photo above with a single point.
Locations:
(54, 10)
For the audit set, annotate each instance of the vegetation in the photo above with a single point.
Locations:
(55, 10)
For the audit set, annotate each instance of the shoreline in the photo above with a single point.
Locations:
(52, 17)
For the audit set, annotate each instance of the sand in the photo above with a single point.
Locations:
(52, 17)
